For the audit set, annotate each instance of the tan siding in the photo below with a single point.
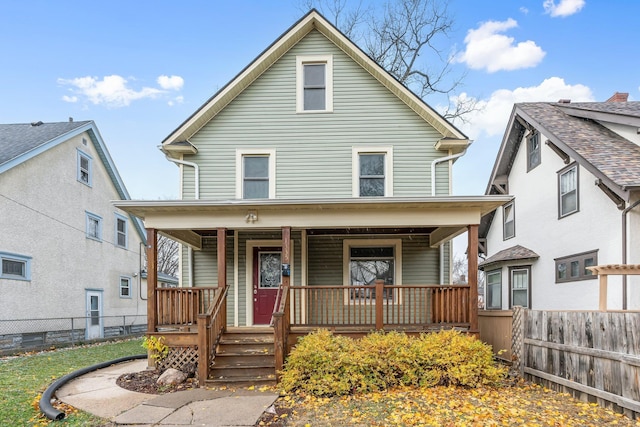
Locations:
(314, 150)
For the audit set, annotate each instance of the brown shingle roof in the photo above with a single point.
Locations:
(510, 254)
(616, 157)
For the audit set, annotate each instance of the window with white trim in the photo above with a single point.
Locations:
(314, 83)
(121, 231)
(14, 266)
(84, 168)
(255, 174)
(125, 287)
(372, 171)
(568, 201)
(509, 221)
(520, 286)
(94, 226)
(367, 261)
(493, 294)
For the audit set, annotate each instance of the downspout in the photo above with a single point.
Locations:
(196, 169)
(624, 250)
(433, 193)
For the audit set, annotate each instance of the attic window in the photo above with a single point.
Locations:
(533, 151)
(314, 84)
(84, 168)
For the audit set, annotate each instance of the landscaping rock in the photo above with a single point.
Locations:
(172, 377)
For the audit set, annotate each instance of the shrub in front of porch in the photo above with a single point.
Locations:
(323, 364)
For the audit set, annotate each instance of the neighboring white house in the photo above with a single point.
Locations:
(65, 250)
(574, 172)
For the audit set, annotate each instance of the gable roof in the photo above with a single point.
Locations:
(575, 129)
(312, 20)
(23, 141)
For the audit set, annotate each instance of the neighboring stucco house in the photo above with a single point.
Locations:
(65, 250)
(306, 180)
(574, 172)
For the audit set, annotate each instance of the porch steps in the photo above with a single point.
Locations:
(244, 358)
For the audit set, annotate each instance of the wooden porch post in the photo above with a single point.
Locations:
(472, 271)
(221, 235)
(152, 279)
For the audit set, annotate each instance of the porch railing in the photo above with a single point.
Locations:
(211, 324)
(180, 307)
(380, 306)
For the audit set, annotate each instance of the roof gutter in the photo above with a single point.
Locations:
(433, 193)
(624, 250)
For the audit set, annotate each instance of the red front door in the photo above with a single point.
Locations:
(267, 276)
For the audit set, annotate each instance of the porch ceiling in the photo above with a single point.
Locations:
(444, 217)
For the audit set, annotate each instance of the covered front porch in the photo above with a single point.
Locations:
(285, 268)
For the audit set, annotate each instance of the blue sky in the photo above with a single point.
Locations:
(140, 68)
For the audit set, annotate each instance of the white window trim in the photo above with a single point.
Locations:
(504, 220)
(18, 258)
(561, 173)
(90, 215)
(388, 168)
(89, 171)
(130, 280)
(512, 270)
(314, 59)
(126, 231)
(347, 244)
(240, 153)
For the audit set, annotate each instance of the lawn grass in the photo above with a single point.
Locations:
(25, 377)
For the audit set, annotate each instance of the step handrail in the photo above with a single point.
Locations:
(211, 325)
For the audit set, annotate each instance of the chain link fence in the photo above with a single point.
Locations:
(18, 335)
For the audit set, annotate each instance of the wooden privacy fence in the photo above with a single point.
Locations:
(495, 330)
(593, 355)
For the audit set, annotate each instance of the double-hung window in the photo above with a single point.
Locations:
(14, 266)
(255, 174)
(372, 172)
(121, 231)
(533, 151)
(568, 201)
(509, 221)
(94, 226)
(125, 287)
(84, 168)
(520, 286)
(314, 83)
(493, 297)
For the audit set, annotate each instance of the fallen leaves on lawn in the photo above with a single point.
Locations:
(521, 405)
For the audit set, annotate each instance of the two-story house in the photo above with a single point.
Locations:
(67, 253)
(574, 172)
(316, 191)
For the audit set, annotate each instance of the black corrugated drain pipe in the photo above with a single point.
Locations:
(45, 401)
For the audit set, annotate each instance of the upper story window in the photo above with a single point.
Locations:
(84, 168)
(568, 190)
(509, 221)
(255, 174)
(121, 231)
(94, 226)
(574, 267)
(533, 151)
(372, 172)
(314, 83)
(493, 297)
(14, 266)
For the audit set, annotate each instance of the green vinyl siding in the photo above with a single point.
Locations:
(314, 150)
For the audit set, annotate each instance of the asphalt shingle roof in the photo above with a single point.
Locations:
(17, 139)
(616, 157)
(510, 254)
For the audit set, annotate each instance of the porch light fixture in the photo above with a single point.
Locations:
(251, 217)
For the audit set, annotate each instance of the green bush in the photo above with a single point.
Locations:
(323, 364)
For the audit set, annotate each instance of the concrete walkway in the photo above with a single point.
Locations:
(98, 394)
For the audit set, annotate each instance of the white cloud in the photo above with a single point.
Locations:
(115, 91)
(524, 10)
(487, 49)
(176, 100)
(563, 8)
(171, 82)
(493, 114)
